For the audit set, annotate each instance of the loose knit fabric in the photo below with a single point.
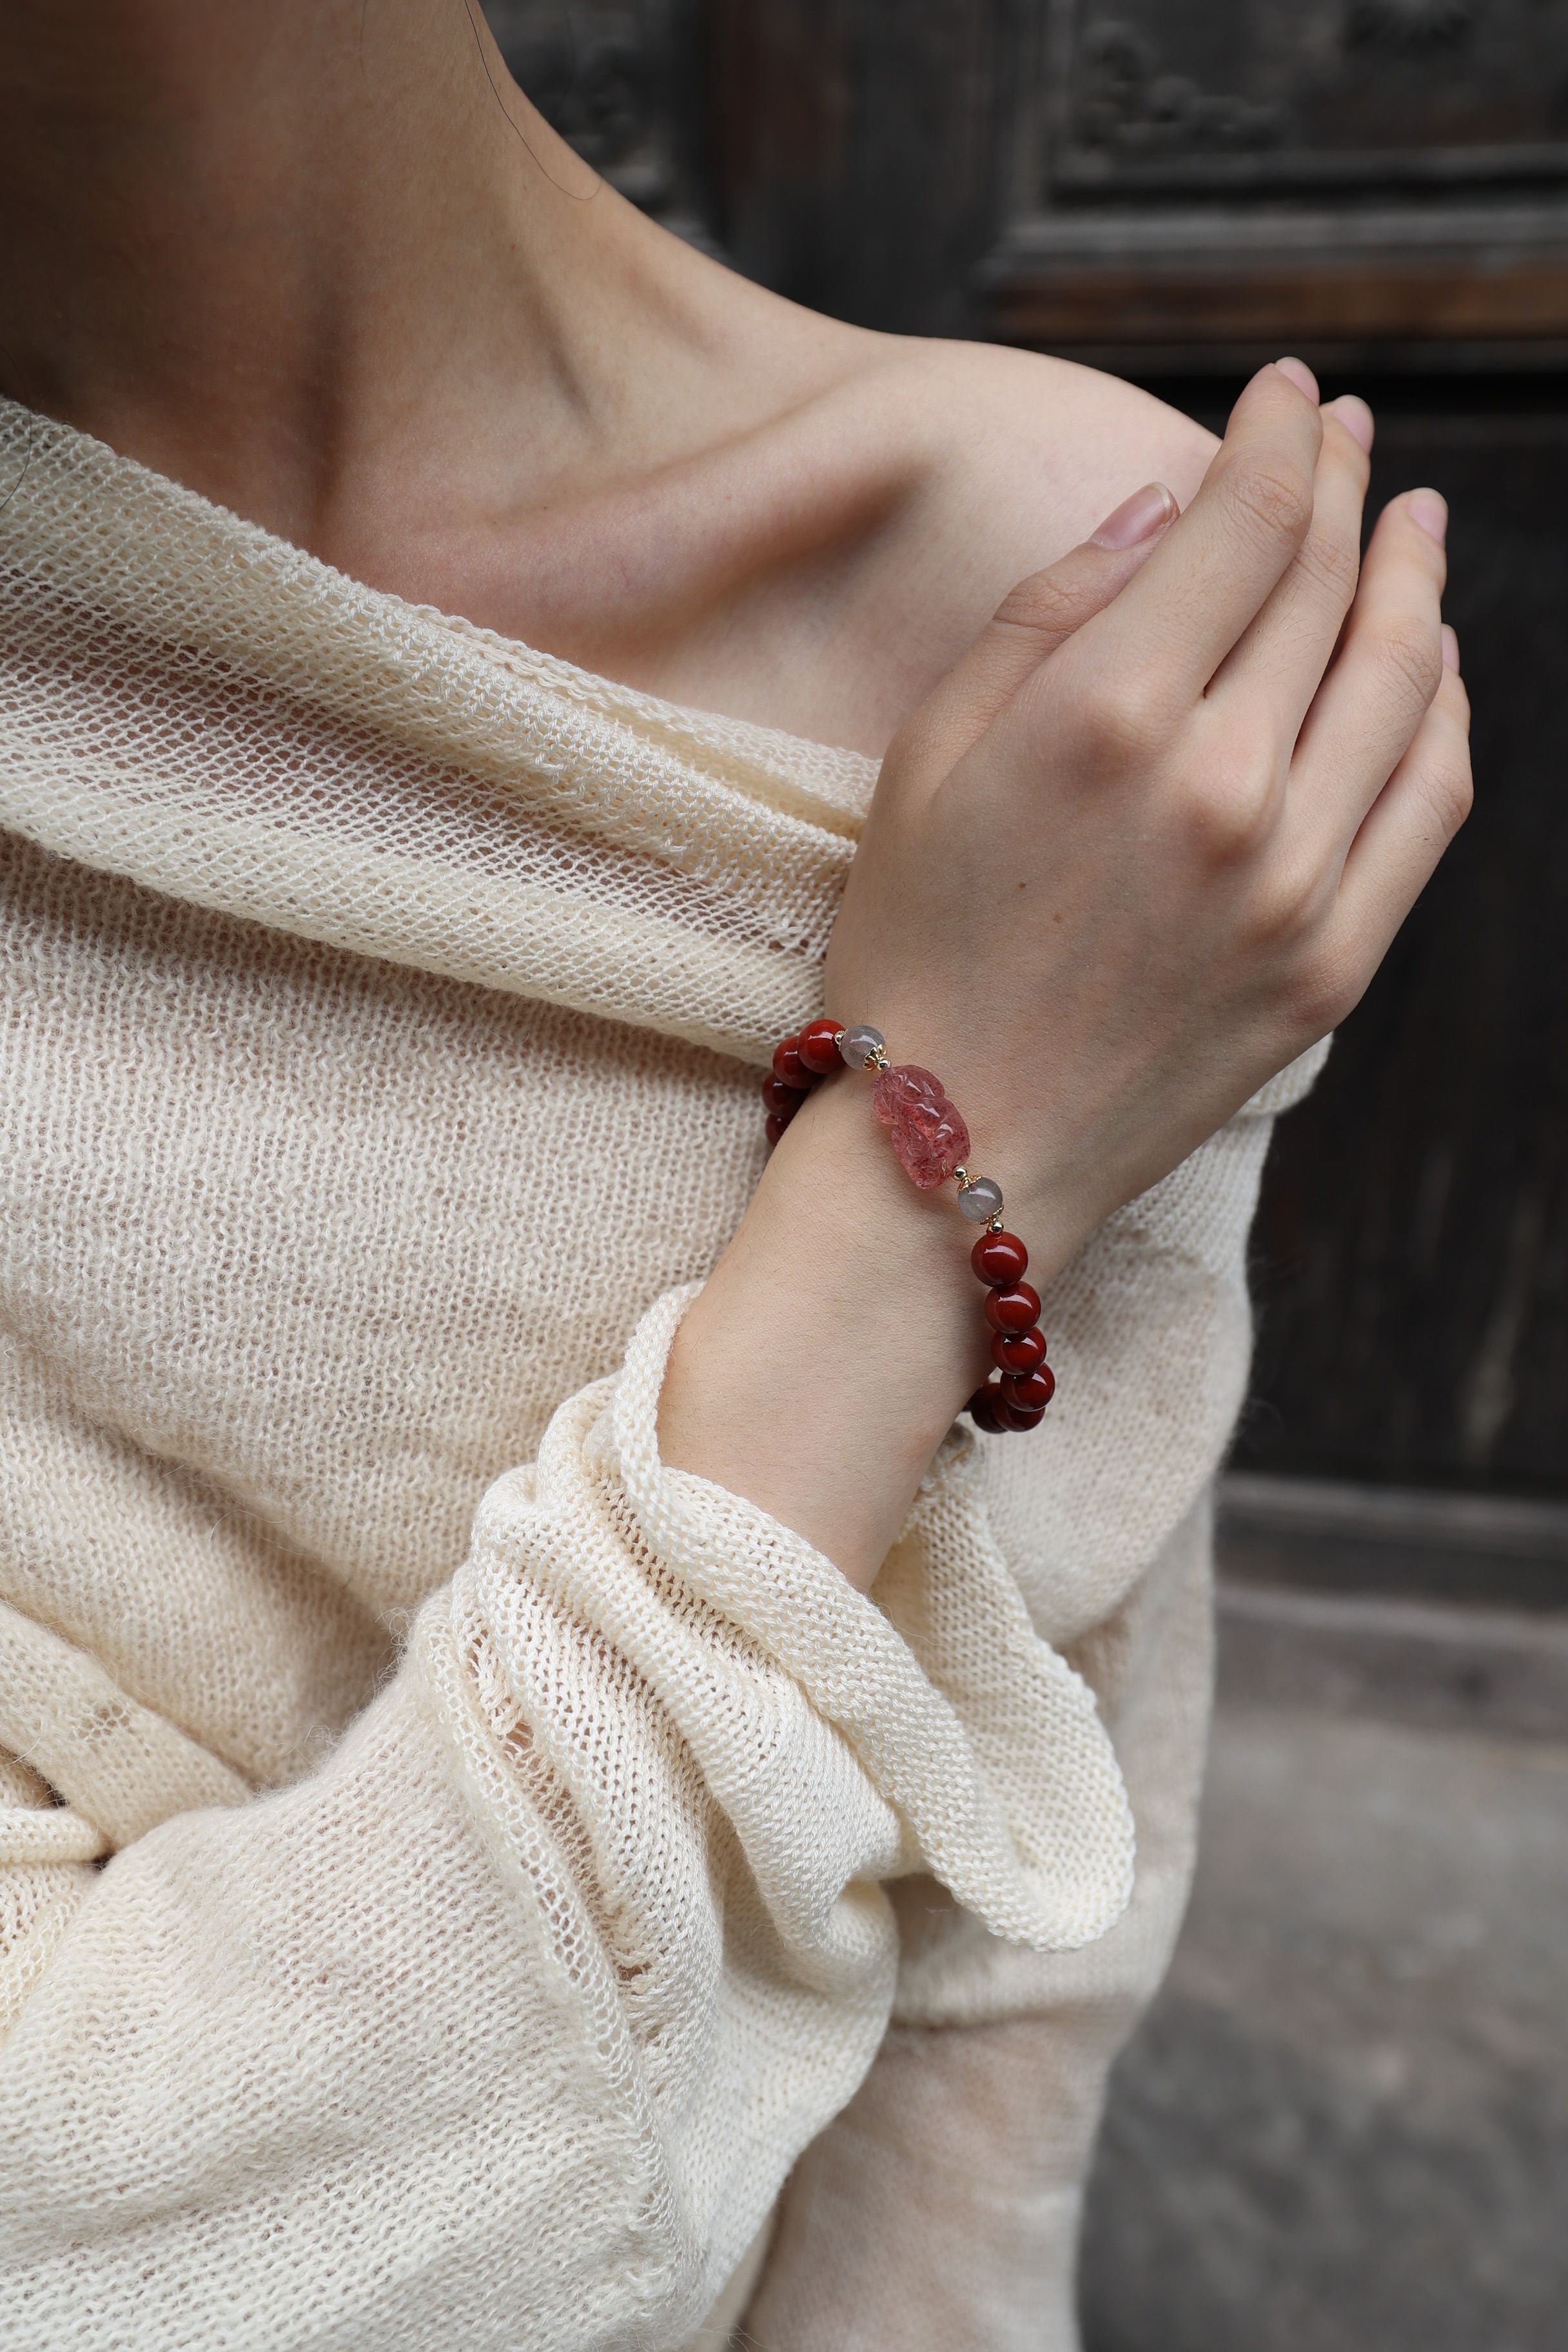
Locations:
(451, 1866)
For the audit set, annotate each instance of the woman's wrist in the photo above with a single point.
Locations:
(838, 1338)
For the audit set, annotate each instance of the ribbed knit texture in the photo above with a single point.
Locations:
(496, 1824)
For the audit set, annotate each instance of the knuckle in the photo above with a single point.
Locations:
(1127, 725)
(1226, 819)
(1273, 500)
(1450, 787)
(1409, 655)
(1041, 607)
(1332, 563)
(1324, 988)
(1228, 806)
(1286, 908)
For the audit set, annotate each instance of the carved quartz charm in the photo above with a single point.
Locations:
(927, 1134)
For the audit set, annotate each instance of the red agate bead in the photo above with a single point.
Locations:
(982, 1408)
(782, 1100)
(788, 1067)
(775, 1125)
(1000, 1259)
(1030, 1391)
(1018, 1351)
(1014, 1309)
(817, 1046)
(1016, 1416)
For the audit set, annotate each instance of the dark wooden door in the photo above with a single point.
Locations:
(1413, 1247)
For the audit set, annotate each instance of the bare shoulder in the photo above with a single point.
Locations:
(1029, 453)
(814, 521)
(1005, 459)
(1020, 457)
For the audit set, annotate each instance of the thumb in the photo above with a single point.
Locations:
(1032, 620)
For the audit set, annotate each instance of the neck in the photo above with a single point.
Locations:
(318, 259)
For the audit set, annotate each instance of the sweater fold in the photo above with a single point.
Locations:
(452, 1864)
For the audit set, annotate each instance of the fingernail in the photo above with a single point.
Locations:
(1431, 512)
(1137, 518)
(1450, 648)
(1355, 416)
(1300, 375)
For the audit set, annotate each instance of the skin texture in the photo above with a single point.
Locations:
(322, 262)
(307, 259)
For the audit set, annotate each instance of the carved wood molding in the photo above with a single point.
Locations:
(1288, 94)
(1263, 303)
(1346, 173)
(1413, 27)
(1199, 173)
(1124, 103)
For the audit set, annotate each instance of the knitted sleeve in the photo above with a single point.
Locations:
(505, 2026)
(940, 2210)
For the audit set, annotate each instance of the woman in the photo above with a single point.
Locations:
(420, 1933)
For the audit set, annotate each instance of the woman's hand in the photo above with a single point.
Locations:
(1107, 893)
(1146, 843)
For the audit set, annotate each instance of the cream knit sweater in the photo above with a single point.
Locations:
(443, 1854)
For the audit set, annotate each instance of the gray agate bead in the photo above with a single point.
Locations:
(858, 1045)
(981, 1198)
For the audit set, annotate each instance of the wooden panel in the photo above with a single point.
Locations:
(856, 147)
(850, 153)
(1337, 172)
(1456, 297)
(1412, 1248)
(1275, 95)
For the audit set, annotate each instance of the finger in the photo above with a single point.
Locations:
(1216, 568)
(1383, 679)
(1405, 831)
(1033, 620)
(1279, 664)
(1042, 612)
(1300, 375)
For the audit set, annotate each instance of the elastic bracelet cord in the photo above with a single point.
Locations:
(931, 1143)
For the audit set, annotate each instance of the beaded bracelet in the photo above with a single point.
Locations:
(931, 1140)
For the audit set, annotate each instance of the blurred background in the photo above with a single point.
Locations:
(1345, 2124)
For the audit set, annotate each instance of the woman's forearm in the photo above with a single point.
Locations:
(838, 1338)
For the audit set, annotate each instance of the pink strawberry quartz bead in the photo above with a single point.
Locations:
(927, 1134)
